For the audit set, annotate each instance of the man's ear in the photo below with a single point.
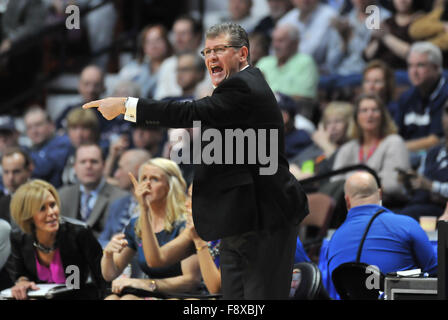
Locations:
(244, 53)
(347, 202)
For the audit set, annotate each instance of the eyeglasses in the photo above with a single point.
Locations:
(219, 50)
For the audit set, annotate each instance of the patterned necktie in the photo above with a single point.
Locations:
(85, 208)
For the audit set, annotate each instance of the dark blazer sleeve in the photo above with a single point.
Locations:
(228, 105)
(20, 262)
(92, 251)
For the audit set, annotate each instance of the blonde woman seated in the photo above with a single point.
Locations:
(319, 157)
(375, 144)
(161, 200)
(186, 244)
(47, 244)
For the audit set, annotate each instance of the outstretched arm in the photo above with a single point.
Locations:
(227, 106)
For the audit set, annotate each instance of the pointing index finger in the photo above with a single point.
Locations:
(91, 104)
(133, 180)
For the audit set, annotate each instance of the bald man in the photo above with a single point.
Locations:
(90, 87)
(394, 242)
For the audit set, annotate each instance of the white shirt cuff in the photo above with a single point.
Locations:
(131, 109)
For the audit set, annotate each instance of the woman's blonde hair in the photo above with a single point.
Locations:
(340, 109)
(387, 125)
(28, 200)
(176, 197)
(84, 118)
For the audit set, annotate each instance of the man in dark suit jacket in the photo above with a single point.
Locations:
(89, 199)
(17, 168)
(256, 216)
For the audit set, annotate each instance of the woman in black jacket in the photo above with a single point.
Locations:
(49, 248)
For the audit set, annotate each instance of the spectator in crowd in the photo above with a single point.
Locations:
(238, 11)
(394, 242)
(375, 144)
(182, 247)
(296, 139)
(153, 48)
(47, 244)
(123, 209)
(259, 46)
(190, 72)
(9, 135)
(149, 138)
(433, 27)
(318, 158)
(428, 187)
(378, 78)
(391, 43)
(152, 139)
(277, 9)
(420, 107)
(82, 128)
(17, 168)
(89, 199)
(161, 195)
(348, 38)
(312, 20)
(187, 33)
(91, 86)
(126, 87)
(116, 150)
(5, 250)
(288, 71)
(48, 151)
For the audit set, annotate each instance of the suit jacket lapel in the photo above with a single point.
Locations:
(73, 211)
(99, 207)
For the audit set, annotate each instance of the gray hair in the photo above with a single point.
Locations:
(293, 32)
(238, 36)
(126, 88)
(433, 52)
